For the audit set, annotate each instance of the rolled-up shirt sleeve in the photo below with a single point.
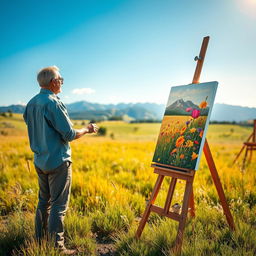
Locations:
(57, 115)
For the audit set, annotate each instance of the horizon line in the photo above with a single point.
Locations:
(145, 102)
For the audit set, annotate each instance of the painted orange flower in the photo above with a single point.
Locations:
(203, 104)
(183, 130)
(189, 144)
(180, 141)
(182, 156)
(201, 133)
(173, 151)
(192, 130)
(194, 156)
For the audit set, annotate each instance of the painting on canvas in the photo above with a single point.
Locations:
(186, 118)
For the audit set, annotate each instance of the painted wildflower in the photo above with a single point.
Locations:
(189, 144)
(194, 156)
(203, 104)
(195, 113)
(183, 130)
(192, 130)
(180, 141)
(173, 151)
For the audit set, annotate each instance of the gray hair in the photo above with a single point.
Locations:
(45, 75)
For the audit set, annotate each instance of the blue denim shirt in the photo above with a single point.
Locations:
(49, 130)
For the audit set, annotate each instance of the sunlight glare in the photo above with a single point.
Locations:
(247, 7)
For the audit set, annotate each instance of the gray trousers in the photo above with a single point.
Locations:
(54, 193)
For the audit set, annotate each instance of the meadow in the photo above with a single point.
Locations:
(112, 181)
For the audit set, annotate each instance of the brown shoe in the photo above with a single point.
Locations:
(68, 252)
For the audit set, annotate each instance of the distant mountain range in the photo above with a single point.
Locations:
(143, 111)
(130, 111)
(179, 108)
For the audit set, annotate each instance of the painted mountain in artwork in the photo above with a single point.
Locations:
(178, 108)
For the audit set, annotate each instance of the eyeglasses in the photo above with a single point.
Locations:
(59, 78)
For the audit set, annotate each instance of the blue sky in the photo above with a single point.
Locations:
(127, 51)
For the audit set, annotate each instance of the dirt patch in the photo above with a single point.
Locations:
(106, 249)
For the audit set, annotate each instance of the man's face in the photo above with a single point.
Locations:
(56, 83)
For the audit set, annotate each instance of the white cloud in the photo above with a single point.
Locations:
(81, 91)
(21, 103)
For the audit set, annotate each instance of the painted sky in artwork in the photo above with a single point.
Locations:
(191, 92)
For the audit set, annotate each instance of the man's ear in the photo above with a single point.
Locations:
(53, 82)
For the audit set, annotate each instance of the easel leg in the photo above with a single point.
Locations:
(192, 204)
(251, 136)
(239, 154)
(245, 156)
(151, 201)
(187, 196)
(217, 182)
(170, 195)
(250, 157)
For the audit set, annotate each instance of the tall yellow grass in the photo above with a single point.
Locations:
(112, 180)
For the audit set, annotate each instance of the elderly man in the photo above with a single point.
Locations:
(50, 131)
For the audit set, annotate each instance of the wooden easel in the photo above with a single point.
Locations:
(249, 146)
(188, 176)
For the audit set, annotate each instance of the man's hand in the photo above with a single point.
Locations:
(92, 128)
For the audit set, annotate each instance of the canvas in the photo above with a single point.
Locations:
(185, 122)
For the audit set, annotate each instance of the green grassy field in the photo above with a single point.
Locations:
(112, 179)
